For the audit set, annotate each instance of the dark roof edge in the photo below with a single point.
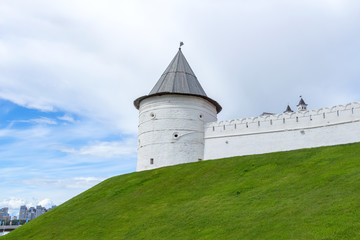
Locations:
(215, 103)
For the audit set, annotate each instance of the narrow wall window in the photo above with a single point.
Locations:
(270, 121)
(323, 115)
(224, 127)
(151, 161)
(259, 123)
(352, 111)
(297, 119)
(337, 112)
(310, 118)
(213, 128)
(235, 126)
(283, 120)
(247, 125)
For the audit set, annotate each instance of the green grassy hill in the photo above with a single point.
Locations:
(303, 194)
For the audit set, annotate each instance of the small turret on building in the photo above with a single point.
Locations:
(302, 106)
(288, 109)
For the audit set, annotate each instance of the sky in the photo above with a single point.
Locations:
(70, 71)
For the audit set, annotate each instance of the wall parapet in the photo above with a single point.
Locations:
(322, 117)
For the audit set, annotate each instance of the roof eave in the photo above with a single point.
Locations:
(215, 103)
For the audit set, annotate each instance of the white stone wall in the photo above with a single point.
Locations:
(171, 130)
(282, 132)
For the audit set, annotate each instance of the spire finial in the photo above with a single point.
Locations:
(181, 43)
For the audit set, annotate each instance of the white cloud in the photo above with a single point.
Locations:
(36, 132)
(45, 203)
(94, 61)
(27, 101)
(250, 56)
(105, 149)
(12, 203)
(42, 120)
(67, 117)
(82, 183)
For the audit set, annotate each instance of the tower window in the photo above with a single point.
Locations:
(235, 126)
(337, 112)
(310, 118)
(213, 128)
(352, 110)
(259, 123)
(297, 119)
(224, 127)
(176, 135)
(247, 125)
(283, 120)
(323, 115)
(270, 121)
(151, 161)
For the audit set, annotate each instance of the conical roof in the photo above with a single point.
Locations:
(301, 102)
(288, 109)
(178, 78)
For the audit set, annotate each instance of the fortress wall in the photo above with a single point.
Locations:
(323, 127)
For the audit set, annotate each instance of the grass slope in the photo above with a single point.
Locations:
(303, 194)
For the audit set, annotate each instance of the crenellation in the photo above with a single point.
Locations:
(286, 121)
(286, 131)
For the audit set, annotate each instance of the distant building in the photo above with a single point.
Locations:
(4, 213)
(288, 109)
(40, 210)
(31, 213)
(23, 213)
(302, 106)
(52, 207)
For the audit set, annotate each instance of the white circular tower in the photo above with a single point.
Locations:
(172, 117)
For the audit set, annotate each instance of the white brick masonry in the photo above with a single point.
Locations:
(171, 130)
(282, 132)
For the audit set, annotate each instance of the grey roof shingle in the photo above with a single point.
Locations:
(178, 78)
